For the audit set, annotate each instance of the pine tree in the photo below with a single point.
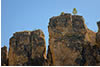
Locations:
(62, 13)
(74, 11)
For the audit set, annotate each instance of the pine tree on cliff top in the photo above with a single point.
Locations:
(62, 13)
(74, 11)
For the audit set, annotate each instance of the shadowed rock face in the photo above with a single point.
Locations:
(68, 36)
(4, 56)
(97, 50)
(27, 48)
(98, 33)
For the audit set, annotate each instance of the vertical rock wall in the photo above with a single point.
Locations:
(68, 36)
(97, 51)
(27, 48)
(98, 33)
(4, 56)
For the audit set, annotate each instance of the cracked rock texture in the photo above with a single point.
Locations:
(71, 43)
(27, 48)
(4, 56)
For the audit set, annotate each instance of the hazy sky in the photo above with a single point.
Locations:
(20, 15)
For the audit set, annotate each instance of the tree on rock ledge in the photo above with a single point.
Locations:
(74, 11)
(62, 13)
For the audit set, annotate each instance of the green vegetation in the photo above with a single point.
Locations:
(62, 13)
(74, 11)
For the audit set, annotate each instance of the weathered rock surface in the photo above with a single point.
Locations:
(91, 37)
(98, 33)
(68, 37)
(27, 48)
(91, 55)
(4, 56)
(97, 51)
(71, 43)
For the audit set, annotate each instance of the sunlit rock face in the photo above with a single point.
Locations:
(68, 37)
(4, 56)
(27, 48)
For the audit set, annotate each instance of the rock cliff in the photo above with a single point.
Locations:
(27, 48)
(71, 43)
(4, 56)
(98, 33)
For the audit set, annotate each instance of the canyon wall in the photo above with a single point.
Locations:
(71, 43)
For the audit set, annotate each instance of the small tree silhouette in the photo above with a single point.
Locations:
(62, 13)
(74, 11)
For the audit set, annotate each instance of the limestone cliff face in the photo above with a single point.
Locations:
(27, 48)
(68, 37)
(4, 56)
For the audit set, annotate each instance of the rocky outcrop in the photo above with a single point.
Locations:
(4, 56)
(71, 43)
(91, 37)
(68, 37)
(27, 48)
(98, 33)
(97, 51)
